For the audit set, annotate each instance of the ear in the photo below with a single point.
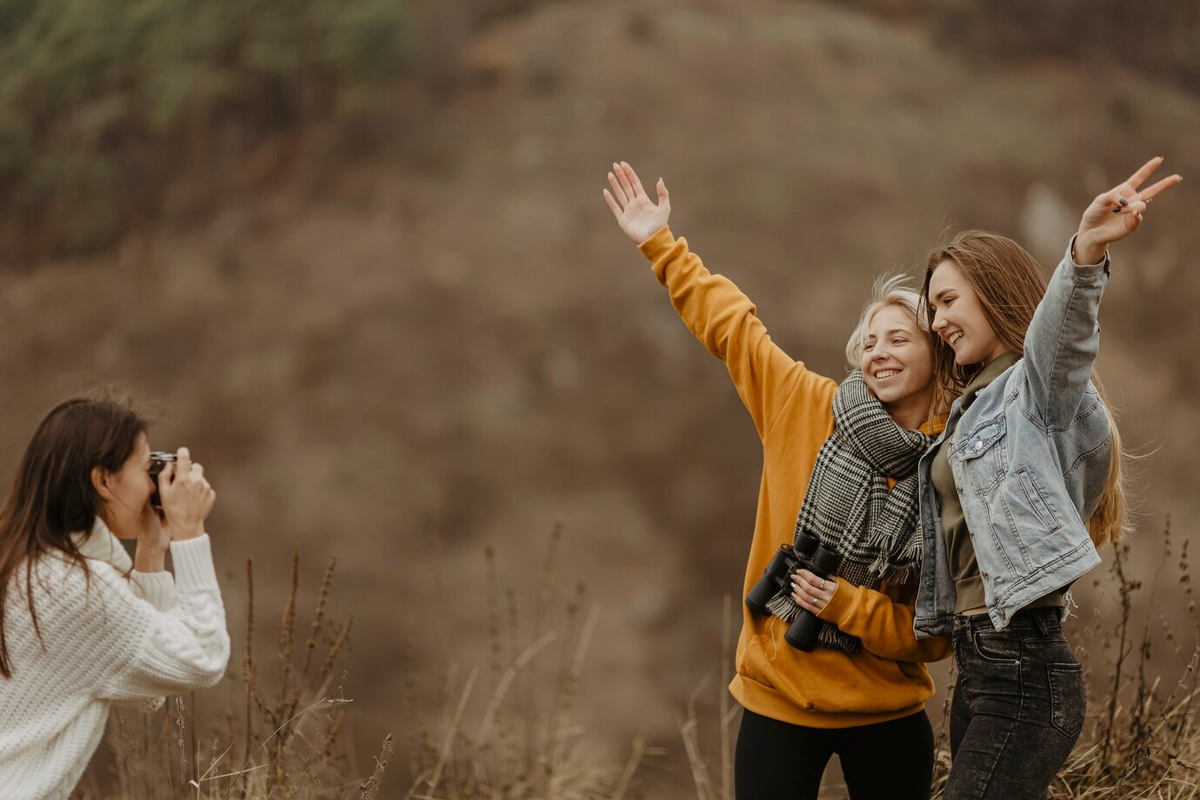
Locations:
(102, 482)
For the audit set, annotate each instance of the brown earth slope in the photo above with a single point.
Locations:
(459, 329)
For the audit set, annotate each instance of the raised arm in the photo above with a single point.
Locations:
(712, 306)
(1064, 338)
(184, 646)
(174, 651)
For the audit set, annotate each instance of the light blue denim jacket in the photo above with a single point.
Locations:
(1030, 458)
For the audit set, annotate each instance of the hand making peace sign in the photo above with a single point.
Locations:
(1118, 212)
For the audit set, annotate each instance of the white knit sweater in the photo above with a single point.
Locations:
(110, 639)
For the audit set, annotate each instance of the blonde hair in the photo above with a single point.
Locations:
(888, 290)
(1009, 284)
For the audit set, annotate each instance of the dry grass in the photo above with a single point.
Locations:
(523, 743)
(1143, 743)
(281, 739)
(508, 732)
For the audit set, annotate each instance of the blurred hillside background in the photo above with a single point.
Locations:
(357, 251)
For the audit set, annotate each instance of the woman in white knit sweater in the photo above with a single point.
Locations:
(79, 629)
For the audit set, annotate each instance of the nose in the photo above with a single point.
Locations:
(938, 322)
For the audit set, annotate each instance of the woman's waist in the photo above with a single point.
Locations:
(823, 693)
(828, 680)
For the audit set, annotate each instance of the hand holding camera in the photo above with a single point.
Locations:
(184, 495)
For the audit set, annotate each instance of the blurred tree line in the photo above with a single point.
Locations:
(1159, 39)
(101, 103)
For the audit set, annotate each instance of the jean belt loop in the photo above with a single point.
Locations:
(1043, 626)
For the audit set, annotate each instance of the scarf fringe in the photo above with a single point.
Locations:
(829, 636)
(832, 638)
(783, 606)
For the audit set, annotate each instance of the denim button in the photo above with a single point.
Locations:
(979, 446)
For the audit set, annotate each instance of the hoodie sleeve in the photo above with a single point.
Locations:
(727, 324)
(884, 623)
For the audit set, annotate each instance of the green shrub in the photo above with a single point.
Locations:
(102, 102)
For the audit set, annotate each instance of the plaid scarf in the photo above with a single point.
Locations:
(848, 506)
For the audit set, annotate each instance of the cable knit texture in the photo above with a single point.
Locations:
(104, 639)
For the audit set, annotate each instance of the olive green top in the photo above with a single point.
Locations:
(961, 551)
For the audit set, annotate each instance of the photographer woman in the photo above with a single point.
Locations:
(1023, 486)
(861, 693)
(78, 631)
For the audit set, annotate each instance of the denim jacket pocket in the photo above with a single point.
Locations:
(982, 456)
(1067, 698)
(1037, 500)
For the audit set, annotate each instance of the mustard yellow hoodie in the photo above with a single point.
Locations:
(792, 410)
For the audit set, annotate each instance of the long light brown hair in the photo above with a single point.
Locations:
(52, 494)
(1009, 284)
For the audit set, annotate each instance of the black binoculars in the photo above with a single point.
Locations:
(808, 554)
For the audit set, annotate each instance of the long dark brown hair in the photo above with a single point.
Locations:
(52, 494)
(1009, 284)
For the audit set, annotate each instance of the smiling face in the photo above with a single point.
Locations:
(897, 364)
(959, 318)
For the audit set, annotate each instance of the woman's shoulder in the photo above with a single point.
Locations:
(72, 585)
(811, 399)
(820, 387)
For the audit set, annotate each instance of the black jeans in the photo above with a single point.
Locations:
(1018, 706)
(885, 761)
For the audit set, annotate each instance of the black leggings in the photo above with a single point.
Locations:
(780, 761)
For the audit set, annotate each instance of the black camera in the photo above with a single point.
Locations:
(808, 554)
(158, 460)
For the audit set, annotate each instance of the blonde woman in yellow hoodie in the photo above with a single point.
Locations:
(861, 693)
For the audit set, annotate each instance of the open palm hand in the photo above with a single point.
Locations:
(636, 213)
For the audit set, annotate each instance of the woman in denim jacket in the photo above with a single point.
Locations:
(1019, 490)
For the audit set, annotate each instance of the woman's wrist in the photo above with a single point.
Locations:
(1086, 252)
(150, 556)
(183, 532)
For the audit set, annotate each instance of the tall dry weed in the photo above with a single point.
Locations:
(1143, 742)
(524, 742)
(509, 731)
(279, 736)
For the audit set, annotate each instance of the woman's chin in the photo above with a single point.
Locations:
(125, 531)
